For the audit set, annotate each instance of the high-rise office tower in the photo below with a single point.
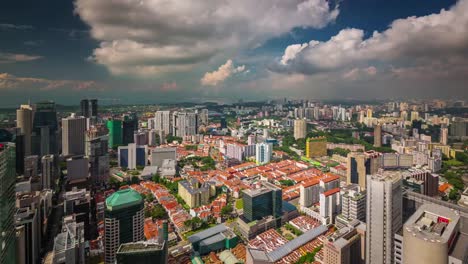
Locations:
(45, 129)
(47, 171)
(162, 137)
(162, 120)
(184, 124)
(124, 221)
(97, 151)
(152, 138)
(73, 135)
(263, 153)
(89, 108)
(223, 122)
(84, 104)
(20, 153)
(77, 168)
(345, 246)
(362, 164)
(140, 137)
(369, 113)
(414, 115)
(459, 128)
(429, 234)
(300, 128)
(384, 215)
(129, 126)
(115, 133)
(24, 121)
(378, 136)
(31, 166)
(444, 135)
(203, 117)
(7, 203)
(264, 201)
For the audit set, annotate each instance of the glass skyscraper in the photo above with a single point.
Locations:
(124, 221)
(262, 202)
(7, 203)
(115, 133)
(45, 129)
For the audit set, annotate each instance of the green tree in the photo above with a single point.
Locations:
(454, 195)
(158, 212)
(226, 210)
(135, 180)
(156, 178)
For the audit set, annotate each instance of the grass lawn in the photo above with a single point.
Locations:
(239, 204)
(453, 163)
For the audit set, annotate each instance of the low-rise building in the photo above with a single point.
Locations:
(194, 193)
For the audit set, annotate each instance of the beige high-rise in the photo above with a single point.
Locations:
(300, 128)
(73, 135)
(384, 215)
(378, 136)
(24, 121)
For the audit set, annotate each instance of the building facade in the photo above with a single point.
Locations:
(300, 128)
(263, 153)
(73, 135)
(316, 147)
(384, 215)
(124, 221)
(7, 203)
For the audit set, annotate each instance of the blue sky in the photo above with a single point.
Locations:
(149, 51)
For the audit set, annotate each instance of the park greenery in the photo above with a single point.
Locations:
(334, 136)
(226, 210)
(293, 229)
(287, 182)
(309, 257)
(201, 163)
(191, 147)
(452, 171)
(157, 212)
(239, 204)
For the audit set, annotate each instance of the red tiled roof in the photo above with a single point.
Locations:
(332, 191)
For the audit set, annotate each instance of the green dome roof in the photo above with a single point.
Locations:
(123, 199)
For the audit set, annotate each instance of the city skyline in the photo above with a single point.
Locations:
(325, 50)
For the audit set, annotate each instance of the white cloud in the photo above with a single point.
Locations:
(291, 52)
(149, 37)
(410, 41)
(222, 73)
(11, 57)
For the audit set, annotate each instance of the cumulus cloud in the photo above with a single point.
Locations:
(11, 57)
(11, 82)
(407, 42)
(222, 73)
(149, 37)
(291, 52)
